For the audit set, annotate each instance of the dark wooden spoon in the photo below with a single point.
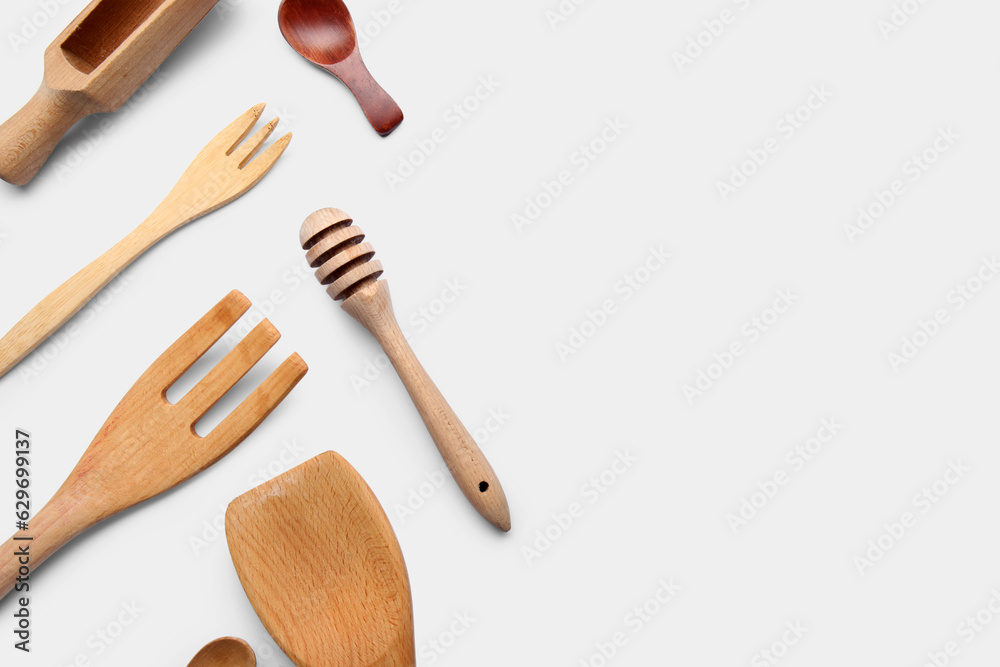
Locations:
(322, 31)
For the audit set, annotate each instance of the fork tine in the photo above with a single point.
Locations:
(229, 371)
(259, 167)
(249, 148)
(227, 140)
(196, 341)
(248, 415)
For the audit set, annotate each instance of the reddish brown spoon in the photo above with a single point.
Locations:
(322, 31)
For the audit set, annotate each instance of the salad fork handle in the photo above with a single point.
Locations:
(49, 314)
(59, 521)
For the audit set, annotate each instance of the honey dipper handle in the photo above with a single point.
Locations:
(29, 137)
(64, 301)
(372, 307)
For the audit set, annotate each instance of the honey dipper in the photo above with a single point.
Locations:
(345, 264)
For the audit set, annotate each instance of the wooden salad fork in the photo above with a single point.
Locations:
(222, 172)
(149, 445)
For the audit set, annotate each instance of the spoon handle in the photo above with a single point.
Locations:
(380, 109)
(372, 307)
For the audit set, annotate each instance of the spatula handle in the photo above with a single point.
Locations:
(29, 137)
(62, 303)
(380, 109)
(371, 305)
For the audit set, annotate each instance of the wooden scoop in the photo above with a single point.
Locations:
(225, 652)
(148, 445)
(322, 31)
(93, 66)
(321, 565)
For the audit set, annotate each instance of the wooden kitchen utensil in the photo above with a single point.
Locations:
(344, 263)
(93, 66)
(322, 31)
(225, 652)
(222, 172)
(149, 445)
(321, 566)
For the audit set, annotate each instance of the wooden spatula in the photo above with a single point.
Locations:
(149, 445)
(93, 66)
(320, 564)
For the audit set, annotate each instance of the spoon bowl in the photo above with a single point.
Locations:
(323, 33)
(225, 652)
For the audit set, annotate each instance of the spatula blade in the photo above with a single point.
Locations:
(321, 565)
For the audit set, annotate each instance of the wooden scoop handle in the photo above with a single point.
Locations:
(380, 109)
(29, 137)
(372, 307)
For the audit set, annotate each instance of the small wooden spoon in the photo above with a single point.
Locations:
(225, 652)
(321, 565)
(322, 31)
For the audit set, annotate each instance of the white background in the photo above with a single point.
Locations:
(495, 347)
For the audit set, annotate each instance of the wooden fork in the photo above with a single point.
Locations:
(222, 172)
(149, 445)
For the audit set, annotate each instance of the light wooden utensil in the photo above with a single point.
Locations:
(225, 652)
(93, 66)
(344, 263)
(222, 172)
(322, 32)
(149, 445)
(321, 566)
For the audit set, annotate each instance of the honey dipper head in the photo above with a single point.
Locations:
(337, 251)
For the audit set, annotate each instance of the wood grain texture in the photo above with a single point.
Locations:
(321, 566)
(149, 445)
(28, 138)
(94, 65)
(225, 652)
(322, 31)
(345, 264)
(222, 172)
